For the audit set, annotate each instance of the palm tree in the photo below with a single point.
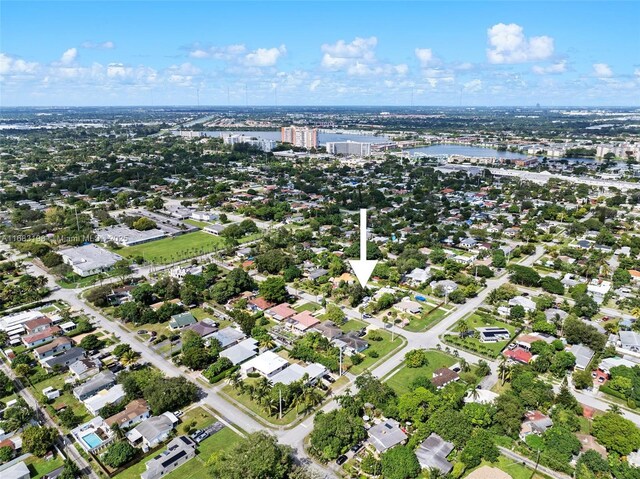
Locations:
(129, 357)
(234, 380)
(463, 326)
(504, 370)
(464, 365)
(117, 430)
(473, 392)
(615, 409)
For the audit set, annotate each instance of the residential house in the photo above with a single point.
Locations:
(58, 345)
(134, 412)
(259, 304)
(38, 324)
(241, 352)
(15, 470)
(523, 301)
(281, 312)
(64, 359)
(179, 450)
(41, 337)
(228, 337)
(408, 306)
(418, 276)
(182, 320)
(266, 364)
(534, 423)
(303, 321)
(84, 368)
(443, 376)
(153, 430)
(630, 340)
(385, 435)
(433, 452)
(95, 403)
(493, 334)
(204, 329)
(583, 355)
(100, 381)
(518, 354)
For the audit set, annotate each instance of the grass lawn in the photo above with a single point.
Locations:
(196, 467)
(383, 348)
(138, 468)
(353, 325)
(195, 418)
(477, 320)
(312, 307)
(66, 398)
(246, 401)
(197, 224)
(249, 238)
(38, 467)
(170, 250)
(400, 382)
(425, 321)
(515, 469)
(200, 314)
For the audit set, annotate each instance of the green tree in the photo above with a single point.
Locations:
(480, 446)
(91, 342)
(416, 358)
(616, 433)
(258, 456)
(119, 453)
(38, 440)
(400, 462)
(335, 432)
(274, 289)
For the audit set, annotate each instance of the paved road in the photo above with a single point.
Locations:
(532, 464)
(64, 444)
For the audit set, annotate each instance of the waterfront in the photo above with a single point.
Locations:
(322, 137)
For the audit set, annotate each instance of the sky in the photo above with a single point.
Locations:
(421, 53)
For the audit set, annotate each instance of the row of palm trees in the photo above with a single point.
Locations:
(279, 398)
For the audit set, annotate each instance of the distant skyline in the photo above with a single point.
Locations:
(120, 53)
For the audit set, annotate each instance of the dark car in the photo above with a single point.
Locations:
(329, 378)
(341, 460)
(356, 448)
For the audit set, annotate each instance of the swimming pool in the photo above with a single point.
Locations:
(92, 440)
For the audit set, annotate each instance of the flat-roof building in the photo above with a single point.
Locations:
(89, 259)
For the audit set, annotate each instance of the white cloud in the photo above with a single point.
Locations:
(602, 70)
(558, 67)
(473, 86)
(341, 54)
(98, 45)
(69, 56)
(226, 52)
(10, 65)
(358, 58)
(265, 57)
(314, 85)
(508, 44)
(425, 56)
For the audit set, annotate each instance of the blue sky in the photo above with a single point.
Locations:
(319, 53)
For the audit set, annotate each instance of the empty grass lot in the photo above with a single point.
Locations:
(383, 348)
(401, 381)
(170, 250)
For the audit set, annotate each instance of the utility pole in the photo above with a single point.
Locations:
(340, 370)
(280, 401)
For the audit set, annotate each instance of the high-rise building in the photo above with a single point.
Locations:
(349, 148)
(300, 136)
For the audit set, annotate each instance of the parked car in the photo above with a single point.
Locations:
(341, 460)
(329, 378)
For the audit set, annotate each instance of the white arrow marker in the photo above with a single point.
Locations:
(363, 267)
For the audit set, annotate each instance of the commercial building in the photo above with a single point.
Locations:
(300, 136)
(348, 148)
(124, 236)
(89, 259)
(263, 144)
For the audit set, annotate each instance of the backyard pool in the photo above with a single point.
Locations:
(92, 440)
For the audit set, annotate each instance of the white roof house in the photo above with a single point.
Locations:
(296, 372)
(267, 364)
(523, 301)
(18, 470)
(89, 259)
(241, 352)
(107, 396)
